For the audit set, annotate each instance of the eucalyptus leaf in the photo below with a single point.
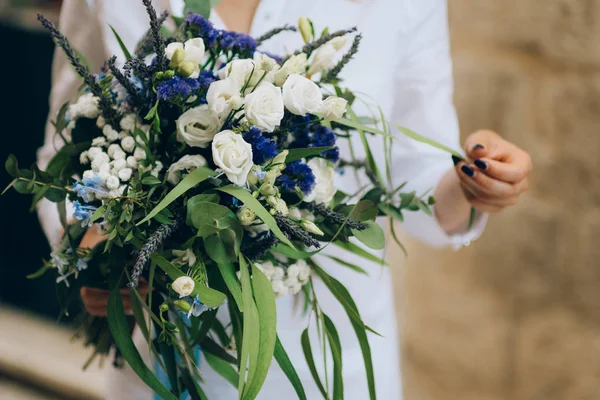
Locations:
(38, 273)
(359, 251)
(151, 180)
(283, 360)
(251, 333)
(353, 267)
(12, 166)
(373, 237)
(336, 353)
(223, 368)
(310, 360)
(228, 273)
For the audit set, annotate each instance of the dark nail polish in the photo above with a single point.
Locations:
(456, 159)
(478, 147)
(480, 164)
(468, 170)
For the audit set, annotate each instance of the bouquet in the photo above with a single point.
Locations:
(209, 167)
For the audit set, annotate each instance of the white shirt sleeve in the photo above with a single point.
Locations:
(423, 103)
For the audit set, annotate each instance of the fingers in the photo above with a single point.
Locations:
(501, 171)
(482, 143)
(96, 300)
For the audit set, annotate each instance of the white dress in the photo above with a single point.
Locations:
(404, 65)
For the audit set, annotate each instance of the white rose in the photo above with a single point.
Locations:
(186, 163)
(333, 108)
(295, 65)
(323, 59)
(194, 50)
(219, 96)
(233, 155)
(246, 216)
(301, 95)
(264, 107)
(264, 62)
(183, 286)
(324, 181)
(239, 70)
(197, 126)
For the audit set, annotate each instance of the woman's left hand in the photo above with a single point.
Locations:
(495, 173)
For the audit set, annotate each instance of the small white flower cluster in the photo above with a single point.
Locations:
(288, 281)
(114, 156)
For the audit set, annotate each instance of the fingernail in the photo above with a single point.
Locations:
(468, 170)
(456, 159)
(480, 164)
(478, 147)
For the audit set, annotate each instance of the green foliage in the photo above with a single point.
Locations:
(223, 368)
(250, 334)
(121, 44)
(297, 154)
(310, 360)
(283, 360)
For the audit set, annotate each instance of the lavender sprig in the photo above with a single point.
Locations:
(139, 68)
(336, 217)
(133, 93)
(152, 244)
(145, 45)
(104, 102)
(312, 46)
(274, 32)
(157, 39)
(294, 231)
(258, 248)
(335, 71)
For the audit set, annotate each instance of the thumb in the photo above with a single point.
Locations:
(483, 143)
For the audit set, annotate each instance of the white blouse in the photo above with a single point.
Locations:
(403, 66)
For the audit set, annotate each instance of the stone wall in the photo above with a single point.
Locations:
(517, 315)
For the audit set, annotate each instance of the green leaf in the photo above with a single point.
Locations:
(12, 166)
(343, 296)
(288, 369)
(55, 195)
(121, 44)
(208, 296)
(254, 205)
(297, 154)
(336, 353)
(220, 246)
(192, 179)
(291, 253)
(365, 210)
(195, 391)
(251, 334)
(151, 180)
(373, 237)
(349, 265)
(223, 368)
(310, 360)
(267, 315)
(201, 7)
(117, 322)
(152, 112)
(99, 213)
(210, 218)
(371, 162)
(351, 247)
(38, 273)
(391, 211)
(228, 273)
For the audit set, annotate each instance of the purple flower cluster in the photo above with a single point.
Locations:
(263, 149)
(297, 174)
(237, 42)
(309, 133)
(177, 89)
(204, 28)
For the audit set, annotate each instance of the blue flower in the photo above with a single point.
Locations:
(89, 184)
(297, 174)
(177, 89)
(263, 149)
(307, 134)
(203, 27)
(197, 307)
(83, 213)
(82, 264)
(237, 42)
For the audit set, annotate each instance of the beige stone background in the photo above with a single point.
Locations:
(517, 315)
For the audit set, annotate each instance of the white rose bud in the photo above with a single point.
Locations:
(311, 227)
(183, 286)
(233, 155)
(306, 29)
(324, 181)
(246, 216)
(112, 182)
(264, 107)
(279, 160)
(125, 174)
(333, 108)
(271, 176)
(112, 149)
(323, 59)
(186, 163)
(278, 204)
(295, 65)
(128, 144)
(236, 102)
(197, 126)
(219, 95)
(186, 69)
(177, 57)
(301, 95)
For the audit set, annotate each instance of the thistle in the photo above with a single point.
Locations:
(104, 102)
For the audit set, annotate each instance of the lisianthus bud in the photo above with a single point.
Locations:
(271, 176)
(280, 158)
(186, 69)
(311, 227)
(182, 305)
(177, 58)
(268, 190)
(183, 286)
(278, 205)
(246, 216)
(236, 102)
(305, 28)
